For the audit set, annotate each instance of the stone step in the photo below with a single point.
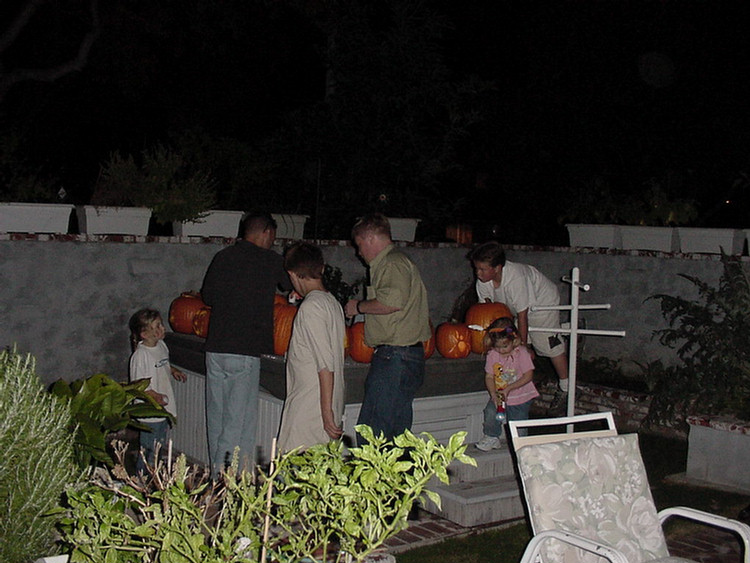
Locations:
(484, 501)
(494, 463)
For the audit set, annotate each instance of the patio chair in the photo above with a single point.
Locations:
(589, 501)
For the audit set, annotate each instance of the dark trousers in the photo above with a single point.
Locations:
(396, 373)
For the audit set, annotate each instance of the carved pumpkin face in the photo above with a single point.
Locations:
(453, 340)
(200, 322)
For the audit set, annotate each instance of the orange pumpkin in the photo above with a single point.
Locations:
(483, 314)
(183, 309)
(283, 318)
(429, 344)
(453, 340)
(200, 322)
(279, 299)
(358, 350)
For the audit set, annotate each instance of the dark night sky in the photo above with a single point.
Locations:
(619, 91)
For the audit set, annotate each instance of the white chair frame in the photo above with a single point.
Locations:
(533, 549)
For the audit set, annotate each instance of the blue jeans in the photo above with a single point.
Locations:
(232, 386)
(396, 373)
(148, 442)
(492, 427)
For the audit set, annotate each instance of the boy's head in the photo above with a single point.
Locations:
(489, 253)
(305, 260)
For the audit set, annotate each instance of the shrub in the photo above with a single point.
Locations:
(36, 461)
(711, 335)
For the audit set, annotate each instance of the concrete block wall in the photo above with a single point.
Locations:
(67, 298)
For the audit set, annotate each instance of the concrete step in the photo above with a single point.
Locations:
(472, 503)
(494, 463)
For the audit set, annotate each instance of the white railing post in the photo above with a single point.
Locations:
(574, 331)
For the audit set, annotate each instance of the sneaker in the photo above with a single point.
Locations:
(563, 383)
(489, 443)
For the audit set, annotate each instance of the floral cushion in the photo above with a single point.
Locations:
(596, 488)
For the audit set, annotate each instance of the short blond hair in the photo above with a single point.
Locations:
(374, 223)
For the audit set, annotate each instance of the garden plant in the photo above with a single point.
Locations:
(37, 461)
(711, 335)
(317, 504)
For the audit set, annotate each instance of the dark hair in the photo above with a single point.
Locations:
(256, 223)
(499, 330)
(490, 252)
(305, 260)
(375, 223)
(139, 322)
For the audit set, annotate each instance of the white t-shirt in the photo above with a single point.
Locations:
(153, 363)
(521, 287)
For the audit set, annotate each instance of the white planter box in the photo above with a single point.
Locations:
(34, 217)
(649, 238)
(403, 228)
(217, 223)
(719, 452)
(290, 226)
(711, 241)
(53, 559)
(595, 236)
(102, 220)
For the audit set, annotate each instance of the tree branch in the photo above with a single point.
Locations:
(9, 79)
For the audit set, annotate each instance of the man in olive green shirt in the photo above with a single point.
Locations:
(396, 323)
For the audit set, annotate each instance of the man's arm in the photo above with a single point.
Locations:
(369, 307)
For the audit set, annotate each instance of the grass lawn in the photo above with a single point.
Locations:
(662, 456)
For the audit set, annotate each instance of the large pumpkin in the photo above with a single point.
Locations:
(283, 319)
(183, 309)
(358, 350)
(483, 314)
(453, 340)
(429, 344)
(200, 322)
(279, 299)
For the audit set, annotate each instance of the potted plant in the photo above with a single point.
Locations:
(317, 504)
(30, 201)
(642, 222)
(37, 461)
(128, 192)
(709, 391)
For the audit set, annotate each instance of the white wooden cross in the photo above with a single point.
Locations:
(574, 331)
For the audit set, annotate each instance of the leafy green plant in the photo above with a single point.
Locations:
(99, 406)
(711, 335)
(162, 180)
(322, 499)
(309, 501)
(36, 462)
(341, 290)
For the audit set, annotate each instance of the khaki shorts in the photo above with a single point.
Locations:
(547, 344)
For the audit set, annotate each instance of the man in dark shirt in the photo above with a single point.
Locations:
(239, 286)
